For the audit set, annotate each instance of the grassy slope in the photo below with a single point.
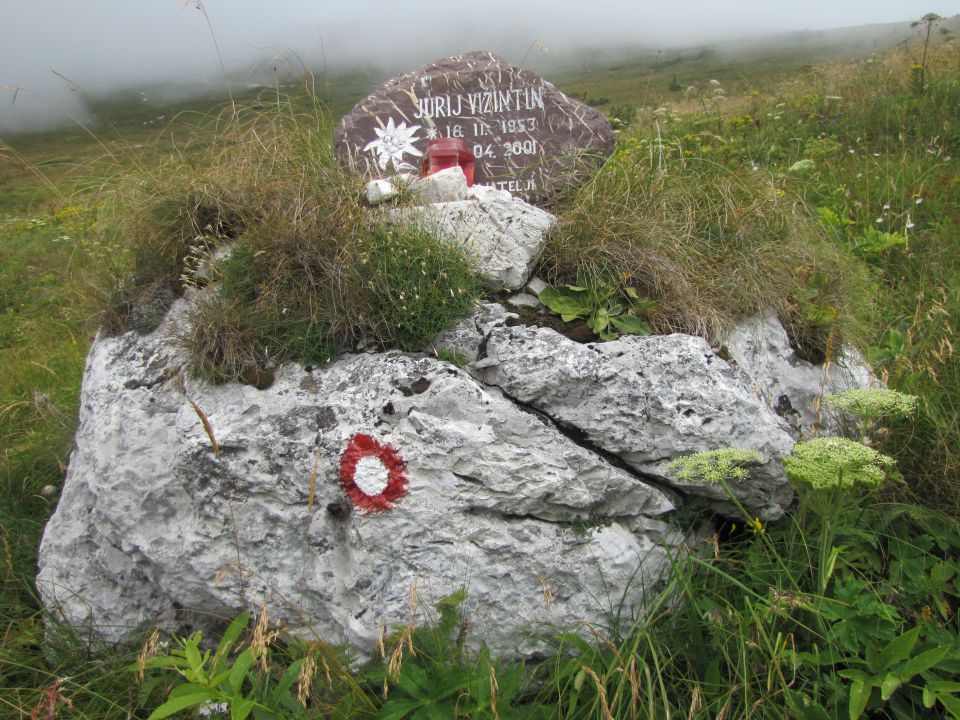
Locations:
(49, 261)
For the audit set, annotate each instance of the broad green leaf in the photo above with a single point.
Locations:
(194, 660)
(188, 689)
(413, 681)
(924, 661)
(177, 704)
(859, 696)
(290, 676)
(873, 658)
(929, 697)
(240, 707)
(230, 636)
(951, 703)
(940, 686)
(216, 680)
(889, 686)
(239, 670)
(898, 649)
(615, 309)
(397, 708)
(437, 712)
(607, 336)
(858, 675)
(599, 320)
(630, 324)
(566, 303)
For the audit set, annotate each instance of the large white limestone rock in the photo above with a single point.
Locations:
(760, 350)
(503, 234)
(154, 527)
(646, 400)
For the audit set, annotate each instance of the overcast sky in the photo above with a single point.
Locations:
(102, 45)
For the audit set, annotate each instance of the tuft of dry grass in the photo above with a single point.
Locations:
(710, 247)
(303, 270)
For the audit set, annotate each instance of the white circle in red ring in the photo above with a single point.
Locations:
(370, 475)
(363, 446)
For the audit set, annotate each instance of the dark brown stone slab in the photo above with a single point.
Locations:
(528, 137)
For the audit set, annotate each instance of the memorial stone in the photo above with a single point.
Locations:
(528, 137)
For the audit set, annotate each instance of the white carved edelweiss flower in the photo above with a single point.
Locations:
(392, 142)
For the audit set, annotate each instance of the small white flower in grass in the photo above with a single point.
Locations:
(392, 143)
(918, 201)
(212, 709)
(879, 220)
(886, 206)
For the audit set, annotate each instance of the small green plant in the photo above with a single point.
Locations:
(452, 355)
(831, 473)
(602, 304)
(220, 683)
(436, 679)
(873, 243)
(895, 665)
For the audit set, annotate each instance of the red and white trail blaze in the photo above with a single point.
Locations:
(372, 474)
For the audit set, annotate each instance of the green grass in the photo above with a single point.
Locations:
(793, 619)
(309, 274)
(710, 246)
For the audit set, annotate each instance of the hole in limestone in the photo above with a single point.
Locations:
(371, 476)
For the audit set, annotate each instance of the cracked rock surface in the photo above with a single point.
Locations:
(155, 528)
(644, 400)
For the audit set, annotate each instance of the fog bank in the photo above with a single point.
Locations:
(52, 52)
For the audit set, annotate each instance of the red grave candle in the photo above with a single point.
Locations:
(447, 153)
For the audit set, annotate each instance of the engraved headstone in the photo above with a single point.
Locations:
(528, 137)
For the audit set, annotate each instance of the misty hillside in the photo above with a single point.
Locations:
(619, 72)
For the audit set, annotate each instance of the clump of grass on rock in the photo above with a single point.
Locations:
(309, 272)
(711, 247)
